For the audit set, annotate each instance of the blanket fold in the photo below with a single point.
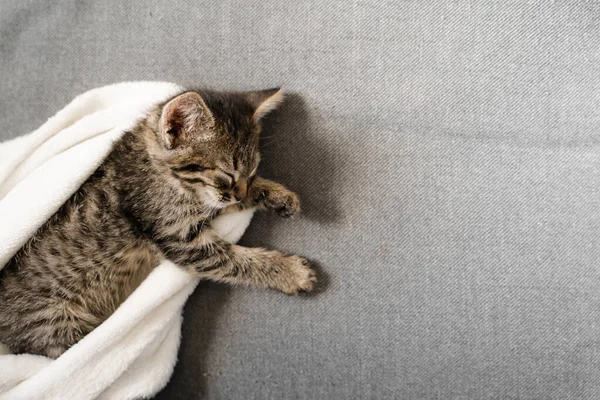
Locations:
(132, 354)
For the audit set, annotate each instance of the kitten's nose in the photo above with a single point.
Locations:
(241, 190)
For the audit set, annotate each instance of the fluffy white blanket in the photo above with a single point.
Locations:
(132, 354)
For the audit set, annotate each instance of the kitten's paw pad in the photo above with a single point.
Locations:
(284, 203)
(302, 277)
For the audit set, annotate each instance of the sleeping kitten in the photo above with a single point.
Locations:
(152, 199)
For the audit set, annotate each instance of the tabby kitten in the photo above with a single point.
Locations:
(153, 198)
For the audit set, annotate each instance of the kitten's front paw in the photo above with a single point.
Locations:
(297, 277)
(283, 202)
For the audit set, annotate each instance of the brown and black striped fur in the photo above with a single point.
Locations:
(152, 199)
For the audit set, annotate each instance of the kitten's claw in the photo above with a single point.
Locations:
(301, 276)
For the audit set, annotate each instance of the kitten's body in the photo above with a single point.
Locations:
(150, 200)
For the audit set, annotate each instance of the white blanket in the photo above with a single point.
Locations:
(132, 354)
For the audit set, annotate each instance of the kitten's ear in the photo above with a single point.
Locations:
(184, 118)
(264, 101)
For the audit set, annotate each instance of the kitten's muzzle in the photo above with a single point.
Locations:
(241, 191)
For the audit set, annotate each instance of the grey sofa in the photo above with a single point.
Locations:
(447, 155)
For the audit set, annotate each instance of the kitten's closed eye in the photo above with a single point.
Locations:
(191, 168)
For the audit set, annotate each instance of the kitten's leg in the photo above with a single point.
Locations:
(269, 195)
(266, 268)
(213, 258)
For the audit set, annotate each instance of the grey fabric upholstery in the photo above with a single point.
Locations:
(447, 154)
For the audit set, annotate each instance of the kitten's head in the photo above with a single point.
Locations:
(209, 141)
